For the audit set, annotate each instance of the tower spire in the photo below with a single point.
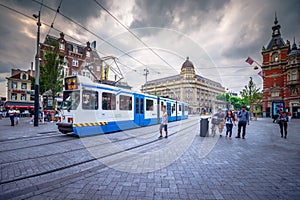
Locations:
(275, 21)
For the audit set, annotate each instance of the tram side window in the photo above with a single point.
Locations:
(173, 108)
(125, 102)
(108, 101)
(89, 100)
(149, 104)
(179, 108)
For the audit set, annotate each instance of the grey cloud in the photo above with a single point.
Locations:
(162, 13)
(81, 11)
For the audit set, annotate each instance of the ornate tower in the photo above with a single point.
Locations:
(275, 59)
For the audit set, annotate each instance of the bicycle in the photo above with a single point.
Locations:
(215, 123)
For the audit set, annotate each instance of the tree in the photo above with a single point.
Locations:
(236, 102)
(251, 93)
(50, 72)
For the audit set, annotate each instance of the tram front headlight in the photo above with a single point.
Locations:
(63, 117)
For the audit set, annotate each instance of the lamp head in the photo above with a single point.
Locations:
(35, 16)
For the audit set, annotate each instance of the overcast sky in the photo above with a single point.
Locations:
(217, 35)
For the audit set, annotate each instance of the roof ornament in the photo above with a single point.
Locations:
(275, 21)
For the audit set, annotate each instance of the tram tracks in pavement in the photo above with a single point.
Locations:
(92, 159)
(78, 149)
(31, 137)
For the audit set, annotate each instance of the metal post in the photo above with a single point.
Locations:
(37, 73)
(146, 75)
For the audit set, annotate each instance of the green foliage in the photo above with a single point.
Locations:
(223, 97)
(50, 72)
(236, 102)
(250, 94)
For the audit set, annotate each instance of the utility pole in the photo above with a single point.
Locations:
(37, 73)
(146, 75)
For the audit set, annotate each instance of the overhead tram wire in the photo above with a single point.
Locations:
(133, 34)
(32, 18)
(91, 32)
(57, 11)
(75, 39)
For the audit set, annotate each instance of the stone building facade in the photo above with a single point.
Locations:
(19, 92)
(199, 92)
(281, 75)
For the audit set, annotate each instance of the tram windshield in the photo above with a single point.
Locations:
(71, 100)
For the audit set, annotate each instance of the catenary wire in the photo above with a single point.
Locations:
(139, 39)
(91, 32)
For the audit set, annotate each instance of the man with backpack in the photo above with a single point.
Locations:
(243, 117)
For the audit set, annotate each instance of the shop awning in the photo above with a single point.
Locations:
(19, 105)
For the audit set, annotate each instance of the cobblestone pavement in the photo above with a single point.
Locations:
(263, 166)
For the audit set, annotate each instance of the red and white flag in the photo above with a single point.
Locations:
(261, 74)
(249, 60)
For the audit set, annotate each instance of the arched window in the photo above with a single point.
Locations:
(24, 77)
(275, 57)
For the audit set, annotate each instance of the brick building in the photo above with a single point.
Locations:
(75, 56)
(281, 80)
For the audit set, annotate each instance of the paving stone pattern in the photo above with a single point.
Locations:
(263, 166)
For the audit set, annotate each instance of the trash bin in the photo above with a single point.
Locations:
(203, 127)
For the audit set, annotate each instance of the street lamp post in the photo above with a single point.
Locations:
(37, 73)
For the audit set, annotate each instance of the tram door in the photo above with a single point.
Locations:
(139, 114)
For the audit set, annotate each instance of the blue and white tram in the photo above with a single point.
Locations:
(90, 108)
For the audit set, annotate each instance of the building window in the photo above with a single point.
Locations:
(294, 76)
(24, 77)
(32, 97)
(98, 68)
(13, 96)
(23, 97)
(61, 46)
(75, 49)
(275, 94)
(74, 72)
(88, 54)
(14, 85)
(24, 86)
(75, 62)
(275, 57)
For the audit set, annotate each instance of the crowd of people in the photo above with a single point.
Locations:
(242, 119)
(230, 119)
(14, 115)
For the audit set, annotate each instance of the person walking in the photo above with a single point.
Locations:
(164, 123)
(243, 117)
(229, 121)
(1, 112)
(11, 114)
(221, 119)
(283, 124)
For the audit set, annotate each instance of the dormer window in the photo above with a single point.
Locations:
(61, 46)
(24, 77)
(75, 49)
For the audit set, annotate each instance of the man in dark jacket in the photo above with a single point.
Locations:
(243, 117)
